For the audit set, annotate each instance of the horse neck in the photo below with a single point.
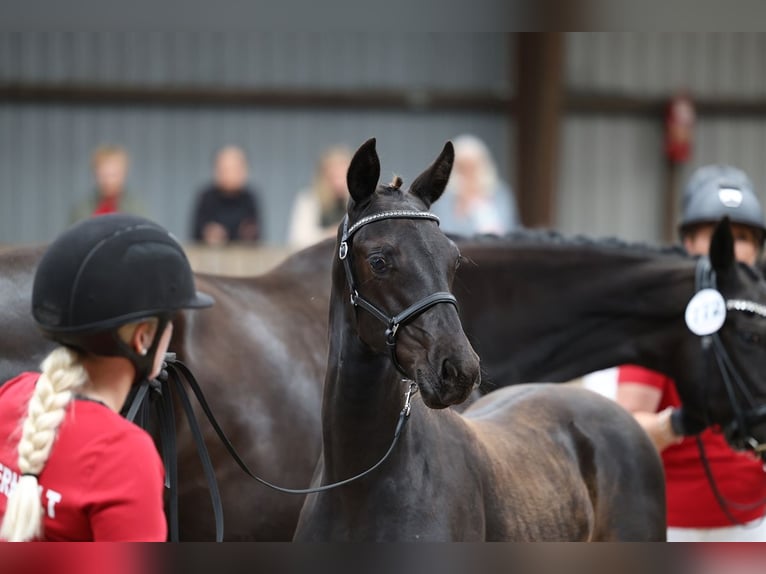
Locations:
(363, 393)
(565, 311)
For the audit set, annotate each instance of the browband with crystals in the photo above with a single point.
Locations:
(398, 214)
(746, 306)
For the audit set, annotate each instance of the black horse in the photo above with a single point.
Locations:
(524, 463)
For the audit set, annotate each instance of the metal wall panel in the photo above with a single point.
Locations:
(710, 64)
(612, 168)
(264, 59)
(740, 142)
(45, 149)
(610, 178)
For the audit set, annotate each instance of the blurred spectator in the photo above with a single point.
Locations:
(110, 170)
(476, 199)
(227, 209)
(318, 210)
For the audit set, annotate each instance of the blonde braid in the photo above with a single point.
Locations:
(62, 373)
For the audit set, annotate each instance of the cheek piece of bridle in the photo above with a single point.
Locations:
(738, 431)
(395, 322)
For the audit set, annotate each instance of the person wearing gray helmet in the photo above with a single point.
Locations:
(694, 513)
(715, 191)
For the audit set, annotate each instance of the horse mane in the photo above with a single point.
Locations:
(553, 237)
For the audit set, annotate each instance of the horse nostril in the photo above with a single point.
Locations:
(449, 371)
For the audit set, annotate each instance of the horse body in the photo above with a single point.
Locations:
(259, 355)
(265, 393)
(508, 470)
(23, 348)
(524, 463)
(553, 436)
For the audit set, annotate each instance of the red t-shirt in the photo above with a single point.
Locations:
(739, 476)
(107, 205)
(103, 480)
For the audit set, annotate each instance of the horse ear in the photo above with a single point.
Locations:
(363, 172)
(722, 247)
(430, 184)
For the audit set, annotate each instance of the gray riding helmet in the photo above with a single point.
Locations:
(717, 190)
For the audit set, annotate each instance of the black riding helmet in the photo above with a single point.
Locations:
(715, 191)
(105, 272)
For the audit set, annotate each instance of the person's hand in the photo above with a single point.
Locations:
(214, 234)
(659, 428)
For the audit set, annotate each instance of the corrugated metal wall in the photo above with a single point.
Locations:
(44, 149)
(611, 173)
(611, 177)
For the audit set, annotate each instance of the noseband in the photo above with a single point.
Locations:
(392, 323)
(738, 430)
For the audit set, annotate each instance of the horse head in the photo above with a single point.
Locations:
(732, 394)
(399, 269)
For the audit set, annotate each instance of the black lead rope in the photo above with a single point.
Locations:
(194, 385)
(199, 440)
(723, 502)
(174, 372)
(160, 399)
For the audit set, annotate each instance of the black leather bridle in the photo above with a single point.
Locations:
(738, 431)
(392, 323)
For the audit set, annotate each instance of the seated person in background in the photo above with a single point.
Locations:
(110, 170)
(476, 199)
(318, 210)
(694, 513)
(227, 209)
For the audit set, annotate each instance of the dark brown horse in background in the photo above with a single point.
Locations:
(616, 303)
(523, 463)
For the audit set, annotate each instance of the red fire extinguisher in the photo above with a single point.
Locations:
(679, 128)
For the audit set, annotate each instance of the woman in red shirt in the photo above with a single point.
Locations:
(70, 467)
(694, 513)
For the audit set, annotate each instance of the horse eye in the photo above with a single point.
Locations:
(378, 264)
(458, 262)
(751, 338)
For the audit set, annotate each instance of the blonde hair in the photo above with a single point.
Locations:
(62, 374)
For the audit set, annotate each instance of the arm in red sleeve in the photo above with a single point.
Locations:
(641, 375)
(640, 391)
